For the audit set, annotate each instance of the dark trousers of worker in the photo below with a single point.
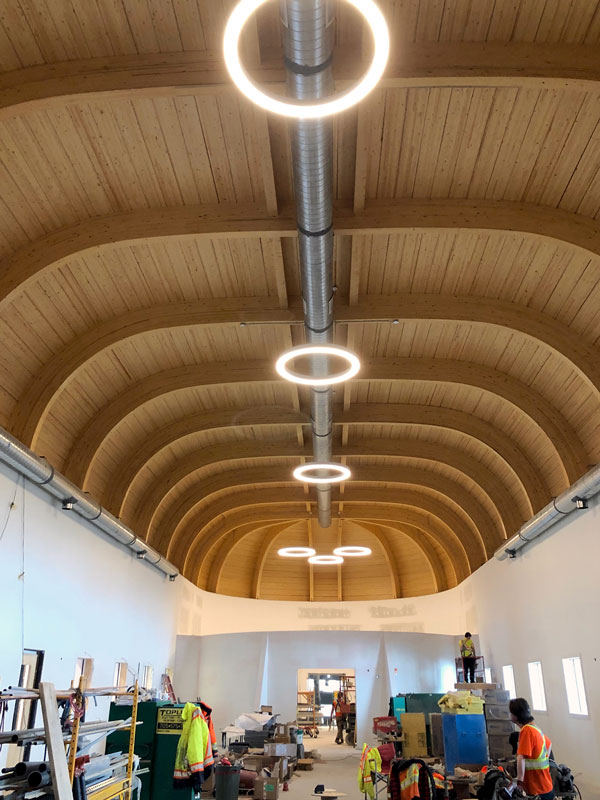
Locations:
(548, 796)
(469, 669)
(341, 727)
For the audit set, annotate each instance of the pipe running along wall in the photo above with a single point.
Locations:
(36, 469)
(308, 49)
(569, 501)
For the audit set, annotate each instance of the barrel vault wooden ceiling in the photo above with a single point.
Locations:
(150, 278)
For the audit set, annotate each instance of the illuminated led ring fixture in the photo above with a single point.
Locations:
(343, 473)
(296, 552)
(301, 110)
(323, 560)
(317, 350)
(352, 550)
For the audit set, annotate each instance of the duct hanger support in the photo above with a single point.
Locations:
(36, 469)
(308, 48)
(573, 499)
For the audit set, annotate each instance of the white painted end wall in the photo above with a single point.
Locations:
(236, 672)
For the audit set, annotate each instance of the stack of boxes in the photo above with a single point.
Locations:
(497, 719)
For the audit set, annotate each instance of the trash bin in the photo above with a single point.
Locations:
(227, 781)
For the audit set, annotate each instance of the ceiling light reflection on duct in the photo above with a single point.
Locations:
(353, 551)
(343, 473)
(316, 350)
(296, 552)
(301, 110)
(325, 560)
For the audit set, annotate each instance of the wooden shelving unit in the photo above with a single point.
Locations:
(306, 713)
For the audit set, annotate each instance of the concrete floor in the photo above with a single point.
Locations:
(337, 768)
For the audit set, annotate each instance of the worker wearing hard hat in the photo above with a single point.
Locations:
(533, 753)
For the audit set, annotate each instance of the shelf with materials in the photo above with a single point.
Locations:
(62, 745)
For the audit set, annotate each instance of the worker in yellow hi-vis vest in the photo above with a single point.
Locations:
(469, 656)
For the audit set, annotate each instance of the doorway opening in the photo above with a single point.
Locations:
(326, 705)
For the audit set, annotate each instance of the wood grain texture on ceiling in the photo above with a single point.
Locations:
(149, 277)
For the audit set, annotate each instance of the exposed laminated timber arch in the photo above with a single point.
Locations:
(358, 414)
(485, 478)
(478, 529)
(265, 513)
(34, 404)
(244, 220)
(422, 542)
(271, 535)
(189, 533)
(232, 538)
(570, 449)
(559, 65)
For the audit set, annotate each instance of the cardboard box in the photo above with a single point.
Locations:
(499, 727)
(280, 750)
(496, 696)
(496, 712)
(266, 709)
(437, 735)
(266, 789)
(415, 735)
(281, 739)
(278, 767)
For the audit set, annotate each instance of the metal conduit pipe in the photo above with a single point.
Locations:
(308, 50)
(572, 499)
(39, 471)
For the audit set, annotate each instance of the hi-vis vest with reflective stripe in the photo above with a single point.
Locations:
(409, 782)
(543, 760)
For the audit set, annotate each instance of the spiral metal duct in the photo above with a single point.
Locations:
(308, 49)
(20, 458)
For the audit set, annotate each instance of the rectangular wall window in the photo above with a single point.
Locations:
(508, 677)
(120, 674)
(536, 680)
(148, 677)
(84, 668)
(575, 686)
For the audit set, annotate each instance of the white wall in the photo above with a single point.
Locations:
(72, 593)
(235, 671)
(545, 606)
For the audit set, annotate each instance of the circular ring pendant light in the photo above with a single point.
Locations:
(352, 551)
(325, 560)
(298, 109)
(303, 473)
(296, 552)
(317, 350)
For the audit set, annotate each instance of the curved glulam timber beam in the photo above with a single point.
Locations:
(34, 404)
(482, 535)
(423, 64)
(230, 540)
(474, 427)
(509, 520)
(265, 513)
(190, 534)
(422, 541)
(249, 220)
(89, 440)
(269, 537)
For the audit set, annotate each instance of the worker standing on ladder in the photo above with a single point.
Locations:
(467, 651)
(533, 753)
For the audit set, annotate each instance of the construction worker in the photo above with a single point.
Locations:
(533, 753)
(467, 651)
(340, 716)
